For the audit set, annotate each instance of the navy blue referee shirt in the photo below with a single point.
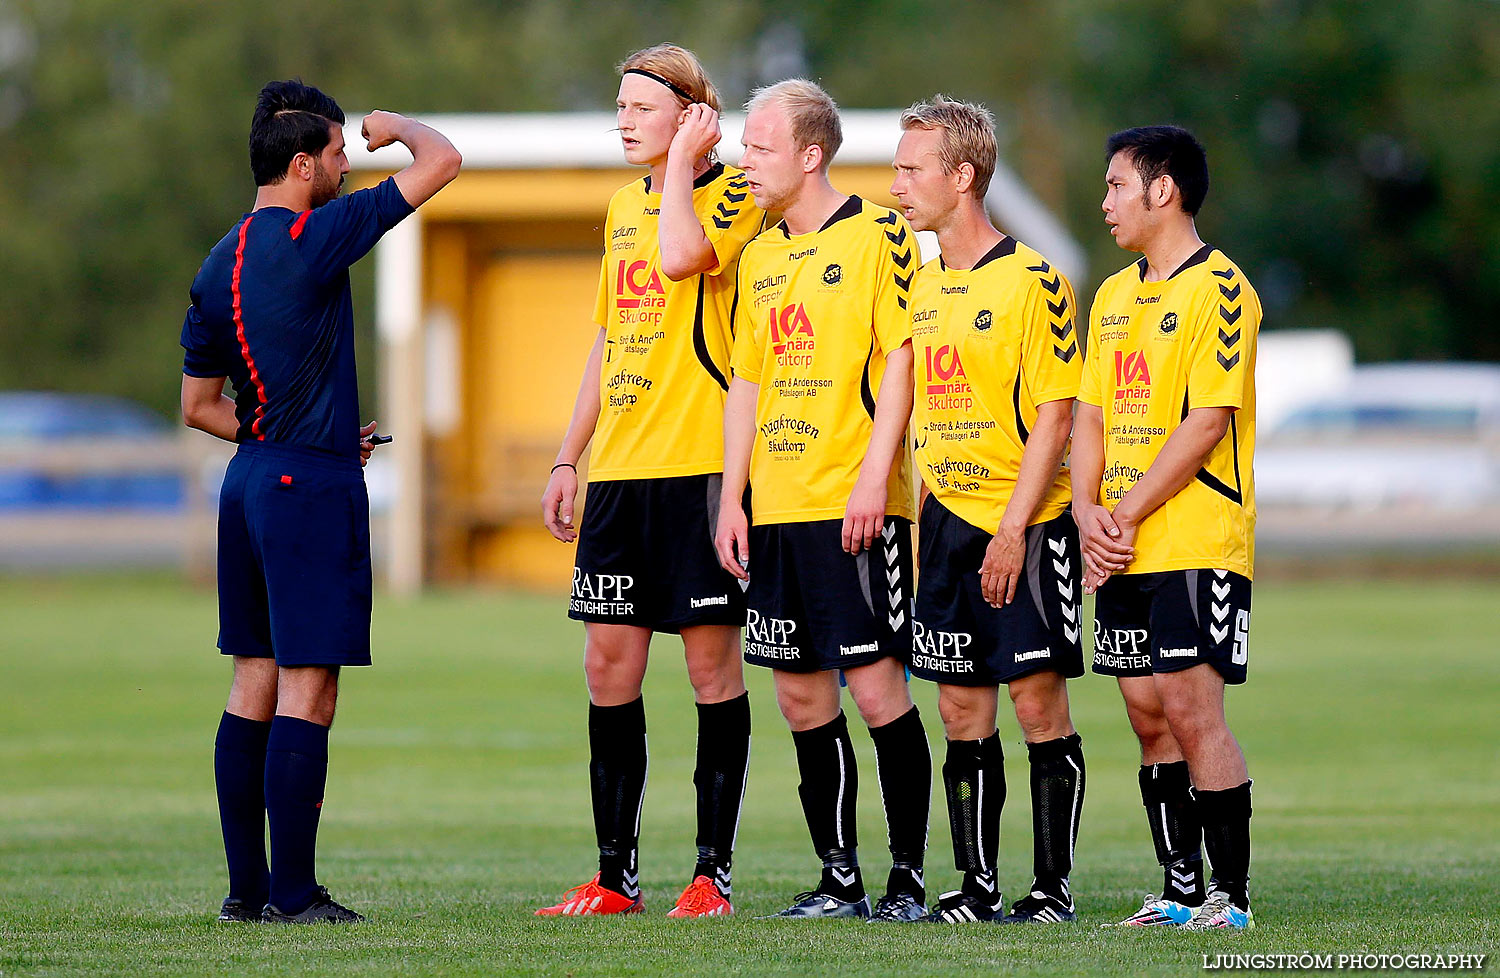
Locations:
(272, 312)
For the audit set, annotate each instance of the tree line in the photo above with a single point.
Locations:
(1354, 146)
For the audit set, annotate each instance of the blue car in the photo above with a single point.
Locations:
(49, 418)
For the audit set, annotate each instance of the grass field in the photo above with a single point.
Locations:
(457, 800)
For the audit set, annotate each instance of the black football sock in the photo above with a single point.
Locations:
(240, 778)
(296, 771)
(828, 789)
(1226, 836)
(903, 763)
(617, 776)
(723, 762)
(1057, 783)
(974, 781)
(1177, 833)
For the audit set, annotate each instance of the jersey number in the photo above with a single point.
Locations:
(1241, 651)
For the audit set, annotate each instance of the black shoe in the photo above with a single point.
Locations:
(899, 908)
(959, 907)
(237, 911)
(814, 904)
(322, 910)
(1037, 907)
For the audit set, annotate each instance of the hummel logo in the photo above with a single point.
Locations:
(1221, 591)
(845, 878)
(1057, 546)
(1062, 567)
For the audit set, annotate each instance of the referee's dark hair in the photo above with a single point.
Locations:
(1170, 150)
(290, 118)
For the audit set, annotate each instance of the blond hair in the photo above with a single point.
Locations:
(814, 116)
(677, 65)
(968, 135)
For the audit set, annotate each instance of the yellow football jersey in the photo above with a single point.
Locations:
(1155, 351)
(817, 314)
(666, 343)
(992, 343)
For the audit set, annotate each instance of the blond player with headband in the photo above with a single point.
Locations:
(651, 401)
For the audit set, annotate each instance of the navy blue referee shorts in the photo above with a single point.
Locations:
(294, 557)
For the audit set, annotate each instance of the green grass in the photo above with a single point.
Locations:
(457, 800)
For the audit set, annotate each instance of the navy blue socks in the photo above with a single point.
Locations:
(296, 769)
(239, 776)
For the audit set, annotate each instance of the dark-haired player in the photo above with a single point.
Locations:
(1165, 503)
(1000, 595)
(651, 403)
(816, 418)
(271, 314)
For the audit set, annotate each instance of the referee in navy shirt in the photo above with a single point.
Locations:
(271, 314)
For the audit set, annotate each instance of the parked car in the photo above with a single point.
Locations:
(1400, 433)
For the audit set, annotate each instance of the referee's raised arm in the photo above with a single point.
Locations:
(434, 160)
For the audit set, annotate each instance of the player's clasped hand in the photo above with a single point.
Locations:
(865, 516)
(697, 131)
(1001, 571)
(1105, 550)
(732, 541)
(558, 502)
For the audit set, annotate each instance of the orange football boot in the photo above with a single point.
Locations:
(701, 899)
(591, 899)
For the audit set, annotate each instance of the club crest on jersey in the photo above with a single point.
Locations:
(983, 321)
(833, 275)
(1168, 324)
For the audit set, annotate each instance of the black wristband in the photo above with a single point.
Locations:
(560, 465)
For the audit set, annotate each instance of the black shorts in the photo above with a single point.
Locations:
(814, 607)
(959, 639)
(1173, 620)
(294, 557)
(646, 556)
